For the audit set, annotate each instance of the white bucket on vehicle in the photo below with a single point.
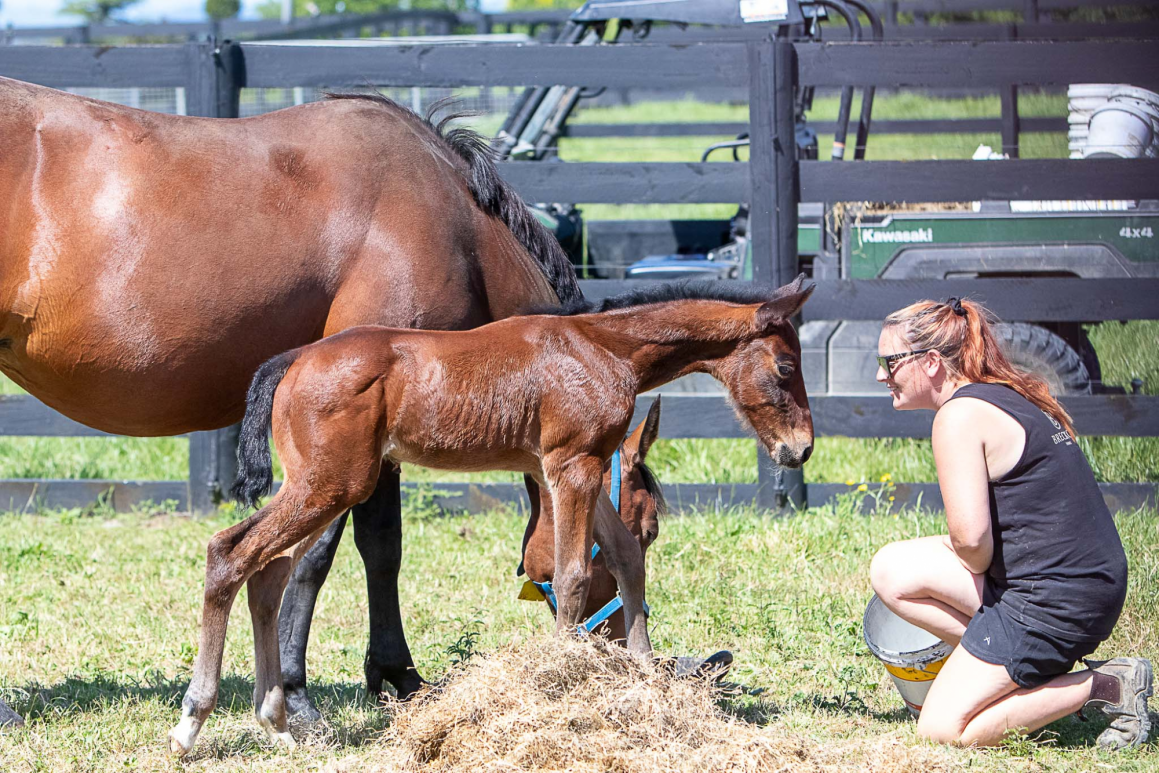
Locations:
(1120, 128)
(912, 656)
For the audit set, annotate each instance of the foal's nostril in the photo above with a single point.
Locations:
(808, 452)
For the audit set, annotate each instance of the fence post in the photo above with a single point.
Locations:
(773, 197)
(1008, 95)
(214, 77)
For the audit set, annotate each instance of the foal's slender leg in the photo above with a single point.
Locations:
(574, 483)
(222, 582)
(625, 561)
(265, 595)
(234, 555)
(298, 612)
(378, 536)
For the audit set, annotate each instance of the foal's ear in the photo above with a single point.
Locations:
(641, 438)
(786, 303)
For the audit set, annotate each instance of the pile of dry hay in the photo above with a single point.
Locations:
(567, 705)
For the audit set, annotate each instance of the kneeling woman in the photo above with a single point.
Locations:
(1032, 575)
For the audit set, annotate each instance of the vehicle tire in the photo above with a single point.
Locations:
(1045, 354)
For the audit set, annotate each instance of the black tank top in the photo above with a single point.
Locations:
(1058, 563)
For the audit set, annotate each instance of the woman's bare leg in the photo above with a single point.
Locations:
(974, 703)
(923, 582)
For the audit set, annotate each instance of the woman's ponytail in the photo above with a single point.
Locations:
(962, 332)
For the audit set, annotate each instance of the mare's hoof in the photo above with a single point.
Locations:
(9, 718)
(405, 685)
(300, 709)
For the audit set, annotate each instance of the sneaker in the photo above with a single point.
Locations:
(1130, 723)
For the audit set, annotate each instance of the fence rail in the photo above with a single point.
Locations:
(772, 181)
(445, 22)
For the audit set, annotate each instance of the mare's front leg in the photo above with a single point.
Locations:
(296, 615)
(378, 535)
(575, 483)
(625, 560)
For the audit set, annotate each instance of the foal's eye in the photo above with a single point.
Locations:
(785, 369)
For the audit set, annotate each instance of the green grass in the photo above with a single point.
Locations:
(99, 616)
(1125, 351)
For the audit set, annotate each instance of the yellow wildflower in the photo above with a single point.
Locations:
(886, 477)
(891, 499)
(849, 482)
(863, 487)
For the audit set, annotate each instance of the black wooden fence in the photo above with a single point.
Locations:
(903, 19)
(772, 181)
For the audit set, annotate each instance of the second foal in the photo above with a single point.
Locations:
(549, 395)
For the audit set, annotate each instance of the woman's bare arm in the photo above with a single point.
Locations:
(960, 456)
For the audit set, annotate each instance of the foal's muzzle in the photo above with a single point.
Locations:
(792, 457)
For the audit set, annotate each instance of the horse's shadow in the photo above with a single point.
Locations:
(79, 695)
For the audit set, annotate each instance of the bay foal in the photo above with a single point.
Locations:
(547, 395)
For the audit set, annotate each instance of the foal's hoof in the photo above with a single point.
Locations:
(281, 739)
(180, 743)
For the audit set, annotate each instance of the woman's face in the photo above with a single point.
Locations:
(909, 385)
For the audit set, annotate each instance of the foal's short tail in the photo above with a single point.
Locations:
(255, 468)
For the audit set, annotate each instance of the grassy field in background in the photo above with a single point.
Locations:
(1125, 351)
(99, 616)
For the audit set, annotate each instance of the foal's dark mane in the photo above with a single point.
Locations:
(729, 292)
(491, 192)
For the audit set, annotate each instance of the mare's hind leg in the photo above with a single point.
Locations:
(378, 536)
(297, 614)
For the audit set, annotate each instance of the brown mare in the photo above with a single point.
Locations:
(549, 396)
(150, 263)
(641, 503)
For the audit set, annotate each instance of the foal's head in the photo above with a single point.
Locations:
(763, 377)
(641, 500)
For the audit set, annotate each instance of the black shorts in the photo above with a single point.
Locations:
(1032, 657)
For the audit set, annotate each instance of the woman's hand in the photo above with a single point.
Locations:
(960, 456)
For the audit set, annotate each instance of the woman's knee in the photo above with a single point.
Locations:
(888, 571)
(939, 727)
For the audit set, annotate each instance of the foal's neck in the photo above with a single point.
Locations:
(664, 341)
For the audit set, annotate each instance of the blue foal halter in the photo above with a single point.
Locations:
(613, 606)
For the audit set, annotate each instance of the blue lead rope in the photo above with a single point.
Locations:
(613, 606)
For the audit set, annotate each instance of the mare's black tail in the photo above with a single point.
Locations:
(255, 468)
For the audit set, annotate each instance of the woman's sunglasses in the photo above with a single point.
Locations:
(887, 361)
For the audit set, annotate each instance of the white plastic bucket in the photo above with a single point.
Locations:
(913, 657)
(1142, 99)
(1120, 128)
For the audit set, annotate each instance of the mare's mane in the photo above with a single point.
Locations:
(729, 292)
(491, 192)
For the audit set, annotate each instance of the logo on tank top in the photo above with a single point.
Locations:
(1058, 437)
